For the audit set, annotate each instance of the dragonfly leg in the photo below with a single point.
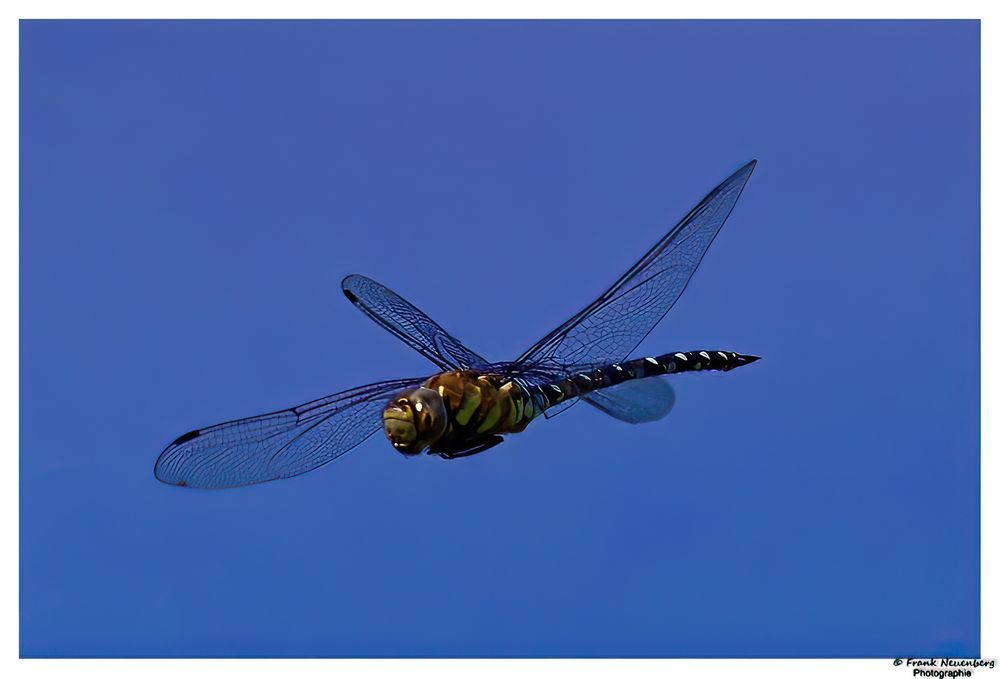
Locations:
(477, 446)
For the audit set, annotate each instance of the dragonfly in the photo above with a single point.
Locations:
(470, 403)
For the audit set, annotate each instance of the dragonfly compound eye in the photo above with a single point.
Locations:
(415, 420)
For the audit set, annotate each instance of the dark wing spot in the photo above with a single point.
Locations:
(351, 296)
(186, 437)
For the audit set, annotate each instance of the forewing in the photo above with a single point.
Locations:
(409, 324)
(614, 324)
(277, 445)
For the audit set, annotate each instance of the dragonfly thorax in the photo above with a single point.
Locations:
(415, 420)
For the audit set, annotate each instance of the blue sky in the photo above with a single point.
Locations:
(193, 193)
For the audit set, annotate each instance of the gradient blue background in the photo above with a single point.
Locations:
(192, 194)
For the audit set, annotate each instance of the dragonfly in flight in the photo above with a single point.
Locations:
(471, 403)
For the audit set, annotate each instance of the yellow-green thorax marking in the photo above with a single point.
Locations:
(459, 411)
(482, 405)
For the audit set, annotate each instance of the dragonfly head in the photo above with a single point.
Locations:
(415, 420)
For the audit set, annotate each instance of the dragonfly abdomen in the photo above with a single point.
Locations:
(581, 383)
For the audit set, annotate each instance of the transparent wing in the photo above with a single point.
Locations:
(557, 409)
(614, 324)
(277, 445)
(635, 401)
(409, 324)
